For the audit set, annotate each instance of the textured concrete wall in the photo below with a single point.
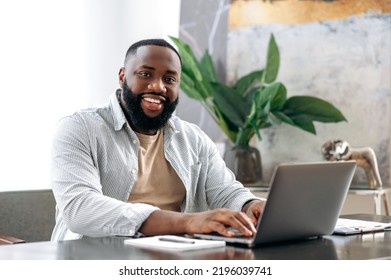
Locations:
(347, 62)
(204, 25)
(343, 57)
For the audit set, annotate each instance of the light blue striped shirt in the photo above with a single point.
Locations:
(95, 165)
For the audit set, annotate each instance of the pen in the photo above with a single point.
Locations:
(167, 239)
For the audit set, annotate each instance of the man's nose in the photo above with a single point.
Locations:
(157, 86)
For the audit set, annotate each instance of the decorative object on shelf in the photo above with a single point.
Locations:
(336, 150)
(254, 102)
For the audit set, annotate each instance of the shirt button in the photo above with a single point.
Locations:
(134, 141)
(134, 171)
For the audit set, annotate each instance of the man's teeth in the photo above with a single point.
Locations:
(152, 100)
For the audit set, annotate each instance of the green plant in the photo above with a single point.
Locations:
(255, 101)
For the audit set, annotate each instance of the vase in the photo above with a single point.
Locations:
(245, 163)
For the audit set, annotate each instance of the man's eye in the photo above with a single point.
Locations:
(170, 80)
(143, 74)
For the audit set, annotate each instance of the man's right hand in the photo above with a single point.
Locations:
(218, 220)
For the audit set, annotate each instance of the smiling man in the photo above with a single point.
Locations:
(131, 167)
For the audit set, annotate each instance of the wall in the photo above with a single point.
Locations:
(58, 57)
(336, 50)
(204, 25)
(343, 57)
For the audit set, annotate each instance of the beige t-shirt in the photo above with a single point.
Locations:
(157, 182)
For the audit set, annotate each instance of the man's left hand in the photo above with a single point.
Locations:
(254, 209)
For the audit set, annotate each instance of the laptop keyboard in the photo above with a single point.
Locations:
(236, 232)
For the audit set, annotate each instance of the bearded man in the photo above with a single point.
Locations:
(132, 167)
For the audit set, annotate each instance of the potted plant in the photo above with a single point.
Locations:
(254, 102)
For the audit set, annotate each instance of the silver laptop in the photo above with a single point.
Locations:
(304, 201)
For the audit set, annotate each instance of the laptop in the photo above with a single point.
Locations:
(304, 201)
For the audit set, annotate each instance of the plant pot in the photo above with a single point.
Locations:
(245, 163)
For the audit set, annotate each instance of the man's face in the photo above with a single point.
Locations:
(150, 87)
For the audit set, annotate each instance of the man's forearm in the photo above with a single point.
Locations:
(164, 222)
(217, 220)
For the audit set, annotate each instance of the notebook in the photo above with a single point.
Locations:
(174, 243)
(304, 201)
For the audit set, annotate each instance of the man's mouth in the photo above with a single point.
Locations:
(153, 102)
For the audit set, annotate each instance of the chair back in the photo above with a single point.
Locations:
(28, 215)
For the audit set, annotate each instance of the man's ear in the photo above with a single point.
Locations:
(121, 76)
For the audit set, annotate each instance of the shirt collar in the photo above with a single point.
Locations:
(118, 115)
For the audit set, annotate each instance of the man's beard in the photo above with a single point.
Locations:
(136, 116)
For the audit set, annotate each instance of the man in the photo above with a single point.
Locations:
(130, 167)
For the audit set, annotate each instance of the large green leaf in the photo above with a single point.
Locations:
(271, 98)
(279, 98)
(247, 82)
(312, 109)
(273, 119)
(304, 124)
(272, 61)
(225, 124)
(283, 117)
(207, 67)
(230, 103)
(189, 61)
(188, 87)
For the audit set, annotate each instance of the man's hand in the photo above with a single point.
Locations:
(218, 220)
(254, 209)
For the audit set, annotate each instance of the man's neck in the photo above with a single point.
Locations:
(146, 132)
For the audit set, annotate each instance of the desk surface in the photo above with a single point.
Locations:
(356, 247)
(265, 187)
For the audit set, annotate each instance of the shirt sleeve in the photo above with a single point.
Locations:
(81, 202)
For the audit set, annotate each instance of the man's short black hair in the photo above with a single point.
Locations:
(148, 42)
